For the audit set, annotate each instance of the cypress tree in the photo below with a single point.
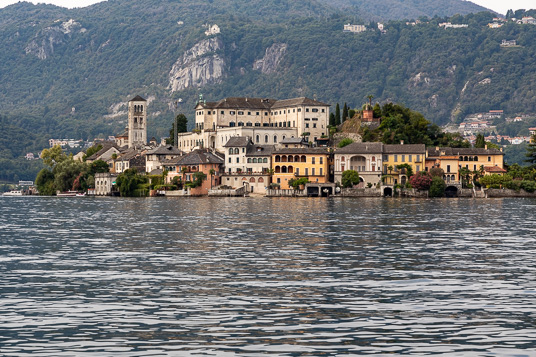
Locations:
(531, 151)
(480, 141)
(337, 115)
(345, 113)
(331, 119)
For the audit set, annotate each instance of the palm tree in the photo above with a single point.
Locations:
(370, 96)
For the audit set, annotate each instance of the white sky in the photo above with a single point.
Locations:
(500, 6)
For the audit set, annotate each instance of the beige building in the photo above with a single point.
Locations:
(365, 158)
(266, 121)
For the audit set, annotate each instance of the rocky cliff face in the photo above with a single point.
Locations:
(199, 66)
(43, 44)
(272, 58)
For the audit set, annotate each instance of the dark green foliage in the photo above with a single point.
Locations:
(295, 183)
(531, 151)
(98, 166)
(437, 187)
(332, 119)
(337, 114)
(480, 142)
(44, 182)
(92, 150)
(349, 178)
(402, 124)
(345, 113)
(406, 169)
(345, 142)
(129, 182)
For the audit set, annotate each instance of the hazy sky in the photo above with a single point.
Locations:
(500, 6)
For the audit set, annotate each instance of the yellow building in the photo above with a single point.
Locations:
(294, 163)
(413, 155)
(451, 160)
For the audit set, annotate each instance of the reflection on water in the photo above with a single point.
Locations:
(289, 277)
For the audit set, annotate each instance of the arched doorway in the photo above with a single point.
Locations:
(388, 192)
(451, 191)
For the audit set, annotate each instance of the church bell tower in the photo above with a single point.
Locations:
(137, 122)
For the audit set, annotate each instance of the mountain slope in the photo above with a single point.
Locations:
(69, 72)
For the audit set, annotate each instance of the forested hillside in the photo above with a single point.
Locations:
(68, 73)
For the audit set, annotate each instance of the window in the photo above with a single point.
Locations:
(306, 125)
(321, 174)
(249, 160)
(240, 113)
(410, 158)
(237, 160)
(314, 110)
(230, 151)
(236, 151)
(257, 113)
(418, 158)
(448, 168)
(306, 171)
(489, 158)
(222, 112)
(403, 158)
(265, 160)
(266, 138)
(396, 158)
(299, 110)
(313, 160)
(323, 110)
(232, 112)
(307, 110)
(275, 138)
(321, 160)
(249, 113)
(257, 139)
(313, 171)
(314, 125)
(417, 168)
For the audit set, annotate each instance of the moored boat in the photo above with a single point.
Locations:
(13, 193)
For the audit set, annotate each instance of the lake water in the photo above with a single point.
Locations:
(251, 276)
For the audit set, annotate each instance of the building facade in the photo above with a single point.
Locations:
(137, 122)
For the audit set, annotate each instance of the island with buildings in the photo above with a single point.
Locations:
(268, 147)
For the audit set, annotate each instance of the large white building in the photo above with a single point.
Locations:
(266, 121)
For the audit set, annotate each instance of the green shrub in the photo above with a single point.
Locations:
(529, 186)
(437, 187)
(345, 142)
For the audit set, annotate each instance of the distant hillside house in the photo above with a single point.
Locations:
(354, 28)
(448, 25)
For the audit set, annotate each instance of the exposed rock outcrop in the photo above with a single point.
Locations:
(272, 58)
(199, 66)
(43, 44)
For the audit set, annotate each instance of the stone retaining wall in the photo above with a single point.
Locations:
(495, 193)
(361, 192)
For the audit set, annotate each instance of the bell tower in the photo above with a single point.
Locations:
(137, 122)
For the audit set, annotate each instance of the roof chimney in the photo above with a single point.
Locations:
(486, 146)
(401, 142)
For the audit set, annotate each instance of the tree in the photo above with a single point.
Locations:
(480, 142)
(337, 114)
(53, 156)
(92, 150)
(180, 125)
(44, 182)
(98, 166)
(437, 187)
(345, 113)
(331, 119)
(408, 169)
(350, 178)
(531, 151)
(421, 181)
(345, 142)
(129, 181)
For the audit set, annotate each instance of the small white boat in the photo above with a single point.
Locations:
(67, 194)
(13, 193)
(81, 194)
